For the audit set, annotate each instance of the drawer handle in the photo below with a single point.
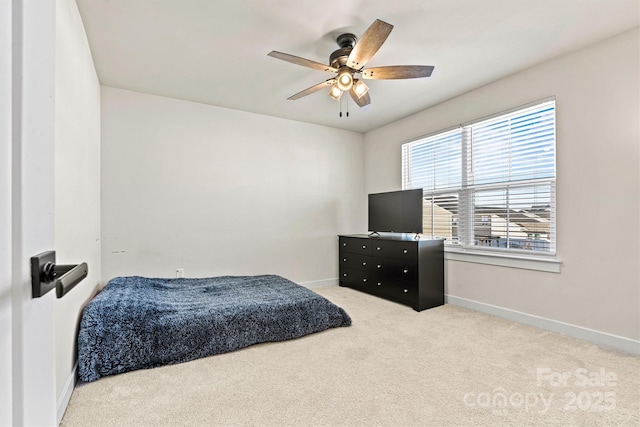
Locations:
(379, 283)
(344, 274)
(406, 290)
(364, 280)
(378, 248)
(344, 260)
(364, 246)
(379, 266)
(364, 263)
(405, 271)
(405, 251)
(344, 244)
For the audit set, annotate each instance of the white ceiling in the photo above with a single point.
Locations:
(215, 51)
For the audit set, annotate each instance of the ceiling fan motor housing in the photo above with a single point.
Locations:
(346, 42)
(339, 57)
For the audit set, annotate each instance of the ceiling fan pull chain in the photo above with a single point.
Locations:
(347, 101)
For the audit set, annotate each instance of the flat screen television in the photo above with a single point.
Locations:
(396, 211)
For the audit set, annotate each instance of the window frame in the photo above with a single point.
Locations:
(463, 250)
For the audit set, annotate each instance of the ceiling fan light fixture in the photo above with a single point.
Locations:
(344, 80)
(360, 88)
(335, 92)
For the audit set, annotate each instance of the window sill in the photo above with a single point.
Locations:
(548, 264)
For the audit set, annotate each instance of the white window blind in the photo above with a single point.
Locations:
(489, 184)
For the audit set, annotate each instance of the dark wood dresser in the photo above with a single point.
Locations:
(395, 267)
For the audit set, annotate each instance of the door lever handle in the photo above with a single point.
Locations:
(46, 275)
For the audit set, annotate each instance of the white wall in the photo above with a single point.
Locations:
(222, 192)
(77, 182)
(597, 99)
(6, 382)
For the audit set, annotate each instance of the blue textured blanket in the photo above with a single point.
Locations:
(138, 322)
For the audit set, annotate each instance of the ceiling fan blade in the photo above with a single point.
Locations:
(312, 89)
(398, 72)
(363, 101)
(369, 44)
(302, 61)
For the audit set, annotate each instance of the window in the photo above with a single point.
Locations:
(490, 184)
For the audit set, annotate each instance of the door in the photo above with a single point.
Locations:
(26, 210)
(5, 215)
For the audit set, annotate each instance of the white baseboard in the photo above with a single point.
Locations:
(65, 397)
(319, 283)
(596, 337)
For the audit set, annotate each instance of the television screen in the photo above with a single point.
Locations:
(396, 211)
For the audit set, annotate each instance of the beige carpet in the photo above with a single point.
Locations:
(446, 366)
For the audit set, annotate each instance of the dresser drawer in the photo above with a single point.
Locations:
(354, 261)
(395, 249)
(387, 268)
(355, 245)
(405, 291)
(357, 278)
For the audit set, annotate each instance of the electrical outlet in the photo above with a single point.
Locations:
(179, 272)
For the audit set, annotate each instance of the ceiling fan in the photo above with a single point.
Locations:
(348, 63)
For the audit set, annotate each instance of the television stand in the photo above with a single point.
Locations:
(396, 267)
